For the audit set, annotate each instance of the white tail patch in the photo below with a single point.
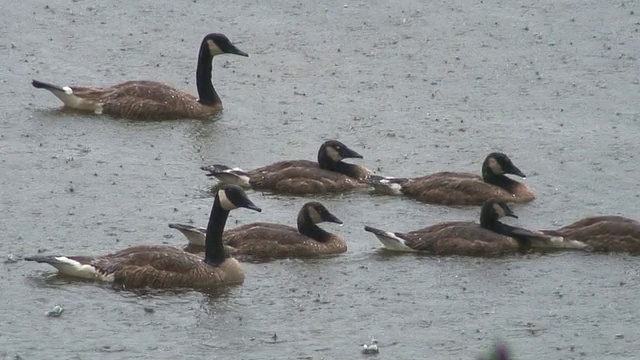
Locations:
(393, 188)
(392, 242)
(386, 185)
(562, 243)
(195, 236)
(73, 268)
(71, 100)
(234, 176)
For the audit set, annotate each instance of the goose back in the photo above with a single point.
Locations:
(603, 233)
(280, 241)
(450, 188)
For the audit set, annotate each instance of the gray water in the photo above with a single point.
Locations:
(416, 87)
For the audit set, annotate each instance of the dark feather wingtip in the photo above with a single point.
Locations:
(215, 168)
(372, 230)
(40, 259)
(43, 85)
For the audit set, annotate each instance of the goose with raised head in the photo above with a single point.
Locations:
(329, 175)
(489, 238)
(455, 188)
(268, 240)
(158, 266)
(602, 233)
(150, 100)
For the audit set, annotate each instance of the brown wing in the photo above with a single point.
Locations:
(450, 174)
(152, 90)
(604, 233)
(455, 190)
(278, 241)
(460, 238)
(147, 100)
(304, 180)
(152, 266)
(282, 165)
(360, 172)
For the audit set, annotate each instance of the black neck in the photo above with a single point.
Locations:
(206, 93)
(489, 222)
(307, 228)
(500, 181)
(341, 167)
(214, 253)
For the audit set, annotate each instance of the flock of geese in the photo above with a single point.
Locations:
(169, 267)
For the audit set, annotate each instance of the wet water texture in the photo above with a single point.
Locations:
(415, 87)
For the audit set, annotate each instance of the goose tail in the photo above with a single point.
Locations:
(69, 98)
(386, 185)
(75, 266)
(43, 85)
(557, 241)
(228, 175)
(195, 235)
(390, 240)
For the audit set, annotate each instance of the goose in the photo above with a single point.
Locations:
(157, 266)
(268, 240)
(150, 100)
(489, 238)
(329, 175)
(602, 233)
(499, 351)
(453, 188)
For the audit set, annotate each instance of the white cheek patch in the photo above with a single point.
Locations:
(213, 48)
(314, 215)
(225, 202)
(499, 210)
(495, 167)
(333, 154)
(67, 90)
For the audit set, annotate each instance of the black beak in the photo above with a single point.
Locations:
(251, 206)
(329, 217)
(236, 51)
(509, 212)
(515, 171)
(350, 154)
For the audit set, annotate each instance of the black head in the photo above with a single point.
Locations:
(499, 164)
(218, 44)
(498, 352)
(492, 210)
(318, 213)
(233, 197)
(336, 151)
